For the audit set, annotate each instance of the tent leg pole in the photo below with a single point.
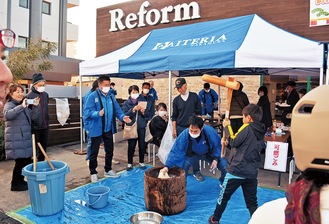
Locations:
(170, 90)
(81, 128)
(321, 77)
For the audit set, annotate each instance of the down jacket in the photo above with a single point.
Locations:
(18, 137)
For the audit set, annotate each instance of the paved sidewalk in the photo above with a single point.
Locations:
(79, 174)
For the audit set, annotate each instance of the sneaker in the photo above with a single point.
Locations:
(19, 187)
(111, 173)
(198, 176)
(129, 167)
(142, 166)
(212, 221)
(115, 162)
(94, 178)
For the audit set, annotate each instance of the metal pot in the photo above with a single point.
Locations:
(146, 218)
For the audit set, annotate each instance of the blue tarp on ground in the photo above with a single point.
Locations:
(126, 198)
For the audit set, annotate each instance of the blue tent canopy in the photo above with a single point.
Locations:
(240, 42)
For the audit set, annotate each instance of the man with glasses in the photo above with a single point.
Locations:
(7, 40)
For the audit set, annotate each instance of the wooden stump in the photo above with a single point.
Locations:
(165, 196)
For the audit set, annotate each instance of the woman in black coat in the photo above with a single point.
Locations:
(159, 124)
(264, 103)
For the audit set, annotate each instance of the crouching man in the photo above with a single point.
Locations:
(198, 142)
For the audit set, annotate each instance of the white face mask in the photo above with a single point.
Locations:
(105, 89)
(134, 96)
(207, 90)
(194, 135)
(162, 113)
(41, 89)
(146, 91)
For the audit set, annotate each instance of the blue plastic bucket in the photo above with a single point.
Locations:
(98, 196)
(46, 187)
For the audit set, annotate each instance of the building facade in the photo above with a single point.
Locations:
(120, 24)
(46, 20)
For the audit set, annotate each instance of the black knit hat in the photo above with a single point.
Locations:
(37, 78)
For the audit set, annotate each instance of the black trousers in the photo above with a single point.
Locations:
(230, 185)
(236, 123)
(108, 148)
(20, 163)
(42, 137)
(141, 146)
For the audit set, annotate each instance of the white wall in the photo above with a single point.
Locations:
(66, 91)
(3, 14)
(19, 20)
(50, 23)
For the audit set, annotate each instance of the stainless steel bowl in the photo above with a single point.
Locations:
(146, 218)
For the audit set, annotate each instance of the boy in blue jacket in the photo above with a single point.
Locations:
(243, 161)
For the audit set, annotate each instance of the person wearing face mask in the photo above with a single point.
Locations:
(198, 142)
(264, 103)
(18, 141)
(209, 100)
(146, 96)
(185, 105)
(102, 109)
(146, 93)
(133, 109)
(159, 124)
(40, 125)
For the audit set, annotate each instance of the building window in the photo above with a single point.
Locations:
(24, 3)
(22, 42)
(45, 44)
(46, 7)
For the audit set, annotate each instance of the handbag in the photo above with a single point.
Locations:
(130, 131)
(148, 134)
